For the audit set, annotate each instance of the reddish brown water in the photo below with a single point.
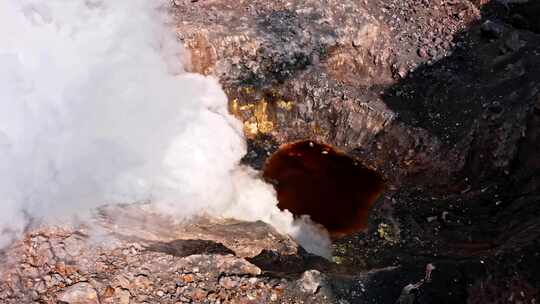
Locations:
(333, 188)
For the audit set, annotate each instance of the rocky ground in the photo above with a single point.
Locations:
(440, 96)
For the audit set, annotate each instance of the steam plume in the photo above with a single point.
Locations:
(95, 108)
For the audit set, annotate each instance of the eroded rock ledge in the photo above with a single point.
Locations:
(131, 255)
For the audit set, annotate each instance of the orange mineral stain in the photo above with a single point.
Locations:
(335, 190)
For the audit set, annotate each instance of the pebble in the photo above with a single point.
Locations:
(310, 281)
(422, 52)
(80, 293)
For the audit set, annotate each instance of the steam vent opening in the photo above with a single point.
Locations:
(334, 189)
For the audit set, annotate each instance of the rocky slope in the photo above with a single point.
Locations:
(441, 97)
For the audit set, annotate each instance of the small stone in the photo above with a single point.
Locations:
(73, 245)
(402, 71)
(141, 282)
(109, 292)
(228, 283)
(32, 272)
(198, 294)
(40, 287)
(430, 219)
(422, 52)
(122, 296)
(80, 293)
(513, 42)
(35, 295)
(444, 215)
(491, 29)
(49, 281)
(187, 278)
(122, 281)
(407, 296)
(310, 281)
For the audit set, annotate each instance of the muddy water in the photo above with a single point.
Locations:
(315, 179)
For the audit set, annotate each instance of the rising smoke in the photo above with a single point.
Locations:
(95, 108)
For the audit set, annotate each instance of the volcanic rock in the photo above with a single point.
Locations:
(454, 131)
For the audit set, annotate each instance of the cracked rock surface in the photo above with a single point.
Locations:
(203, 261)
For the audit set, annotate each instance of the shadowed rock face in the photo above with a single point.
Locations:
(335, 190)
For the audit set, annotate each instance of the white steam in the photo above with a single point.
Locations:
(95, 108)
